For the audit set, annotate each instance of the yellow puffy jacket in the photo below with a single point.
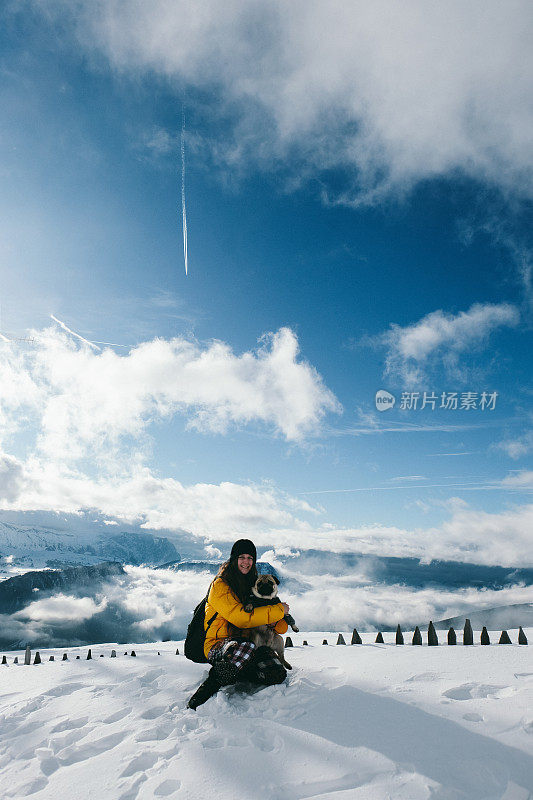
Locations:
(228, 608)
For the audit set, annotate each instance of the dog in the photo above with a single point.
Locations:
(264, 593)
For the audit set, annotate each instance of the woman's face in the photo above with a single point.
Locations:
(245, 563)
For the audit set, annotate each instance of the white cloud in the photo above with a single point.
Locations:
(217, 511)
(330, 605)
(220, 513)
(397, 93)
(520, 480)
(11, 477)
(440, 337)
(83, 407)
(213, 552)
(85, 403)
(61, 608)
(148, 604)
(518, 447)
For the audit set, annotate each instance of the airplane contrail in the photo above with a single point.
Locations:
(183, 207)
(73, 333)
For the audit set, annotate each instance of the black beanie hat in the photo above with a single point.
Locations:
(241, 547)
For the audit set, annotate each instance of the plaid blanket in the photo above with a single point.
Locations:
(233, 652)
(241, 660)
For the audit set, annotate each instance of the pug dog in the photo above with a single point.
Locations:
(265, 592)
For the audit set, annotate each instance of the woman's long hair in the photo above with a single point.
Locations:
(239, 584)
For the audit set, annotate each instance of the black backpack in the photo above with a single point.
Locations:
(195, 639)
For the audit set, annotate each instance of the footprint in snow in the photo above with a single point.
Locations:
(467, 691)
(213, 742)
(61, 742)
(423, 676)
(117, 715)
(156, 734)
(49, 765)
(73, 754)
(266, 741)
(25, 789)
(69, 724)
(133, 790)
(153, 713)
(237, 741)
(151, 676)
(190, 725)
(64, 689)
(166, 788)
(140, 764)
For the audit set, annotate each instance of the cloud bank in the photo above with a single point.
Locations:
(394, 95)
(149, 605)
(220, 513)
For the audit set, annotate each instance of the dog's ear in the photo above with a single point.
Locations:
(276, 579)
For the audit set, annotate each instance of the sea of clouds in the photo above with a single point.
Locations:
(148, 604)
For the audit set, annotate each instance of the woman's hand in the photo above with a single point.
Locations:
(285, 608)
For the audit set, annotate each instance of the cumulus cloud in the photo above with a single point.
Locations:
(61, 608)
(83, 408)
(84, 403)
(395, 94)
(441, 338)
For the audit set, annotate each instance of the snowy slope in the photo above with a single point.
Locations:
(369, 722)
(24, 547)
(501, 617)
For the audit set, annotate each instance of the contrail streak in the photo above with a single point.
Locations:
(466, 486)
(183, 207)
(73, 333)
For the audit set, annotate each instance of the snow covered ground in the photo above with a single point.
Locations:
(372, 721)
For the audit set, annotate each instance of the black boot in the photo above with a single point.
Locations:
(264, 668)
(207, 689)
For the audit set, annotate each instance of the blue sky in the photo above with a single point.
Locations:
(359, 217)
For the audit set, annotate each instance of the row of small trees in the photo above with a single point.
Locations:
(432, 638)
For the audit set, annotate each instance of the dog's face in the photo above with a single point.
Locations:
(266, 587)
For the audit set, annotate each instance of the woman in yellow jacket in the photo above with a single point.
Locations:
(232, 657)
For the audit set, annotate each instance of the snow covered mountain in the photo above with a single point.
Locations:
(500, 618)
(18, 591)
(34, 547)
